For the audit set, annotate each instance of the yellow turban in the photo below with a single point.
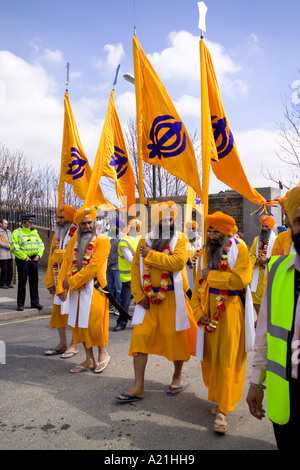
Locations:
(293, 202)
(159, 210)
(91, 212)
(268, 220)
(282, 201)
(67, 211)
(222, 223)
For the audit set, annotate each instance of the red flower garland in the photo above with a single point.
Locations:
(262, 251)
(154, 298)
(86, 259)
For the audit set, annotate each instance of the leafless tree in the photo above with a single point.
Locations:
(289, 146)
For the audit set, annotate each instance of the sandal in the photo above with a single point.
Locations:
(220, 424)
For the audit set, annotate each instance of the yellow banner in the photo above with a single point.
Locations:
(162, 137)
(112, 160)
(75, 169)
(218, 145)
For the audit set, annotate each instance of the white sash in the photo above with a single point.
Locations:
(249, 313)
(84, 300)
(181, 316)
(256, 270)
(64, 306)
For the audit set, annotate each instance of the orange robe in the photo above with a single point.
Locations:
(224, 356)
(157, 334)
(282, 244)
(97, 332)
(57, 320)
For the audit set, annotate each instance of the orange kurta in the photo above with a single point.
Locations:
(55, 256)
(157, 334)
(224, 357)
(282, 244)
(97, 332)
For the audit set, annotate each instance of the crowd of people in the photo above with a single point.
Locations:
(216, 301)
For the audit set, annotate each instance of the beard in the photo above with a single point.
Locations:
(191, 235)
(62, 229)
(162, 236)
(215, 251)
(296, 241)
(84, 238)
(264, 235)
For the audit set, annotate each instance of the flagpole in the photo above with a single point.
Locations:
(204, 136)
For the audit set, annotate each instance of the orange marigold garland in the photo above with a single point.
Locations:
(156, 298)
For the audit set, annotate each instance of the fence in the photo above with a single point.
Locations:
(44, 216)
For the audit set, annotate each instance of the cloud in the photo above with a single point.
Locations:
(114, 54)
(181, 62)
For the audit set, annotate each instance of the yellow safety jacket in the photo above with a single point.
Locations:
(26, 242)
(280, 314)
(124, 266)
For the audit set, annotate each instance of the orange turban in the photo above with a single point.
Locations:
(67, 211)
(282, 201)
(268, 220)
(159, 210)
(222, 223)
(91, 212)
(133, 223)
(191, 224)
(293, 202)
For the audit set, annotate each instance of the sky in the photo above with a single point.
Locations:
(254, 47)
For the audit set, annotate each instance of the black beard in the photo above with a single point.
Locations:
(264, 235)
(163, 236)
(296, 240)
(215, 251)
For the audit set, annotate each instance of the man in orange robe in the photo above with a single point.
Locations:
(163, 319)
(59, 318)
(86, 259)
(220, 314)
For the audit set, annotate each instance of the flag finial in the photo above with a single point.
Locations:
(67, 76)
(202, 14)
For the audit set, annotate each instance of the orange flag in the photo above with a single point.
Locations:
(112, 160)
(162, 137)
(75, 168)
(218, 145)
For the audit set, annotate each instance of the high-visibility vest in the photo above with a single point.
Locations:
(280, 299)
(26, 242)
(124, 266)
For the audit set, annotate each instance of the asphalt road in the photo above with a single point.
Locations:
(44, 407)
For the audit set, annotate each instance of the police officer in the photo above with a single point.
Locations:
(28, 248)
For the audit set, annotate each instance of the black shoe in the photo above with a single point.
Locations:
(10, 286)
(38, 306)
(4, 287)
(119, 328)
(20, 309)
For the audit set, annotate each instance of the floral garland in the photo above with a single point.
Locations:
(220, 298)
(262, 251)
(86, 259)
(195, 253)
(154, 298)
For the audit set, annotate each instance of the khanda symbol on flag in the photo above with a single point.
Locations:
(162, 137)
(75, 169)
(167, 137)
(77, 165)
(223, 137)
(119, 161)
